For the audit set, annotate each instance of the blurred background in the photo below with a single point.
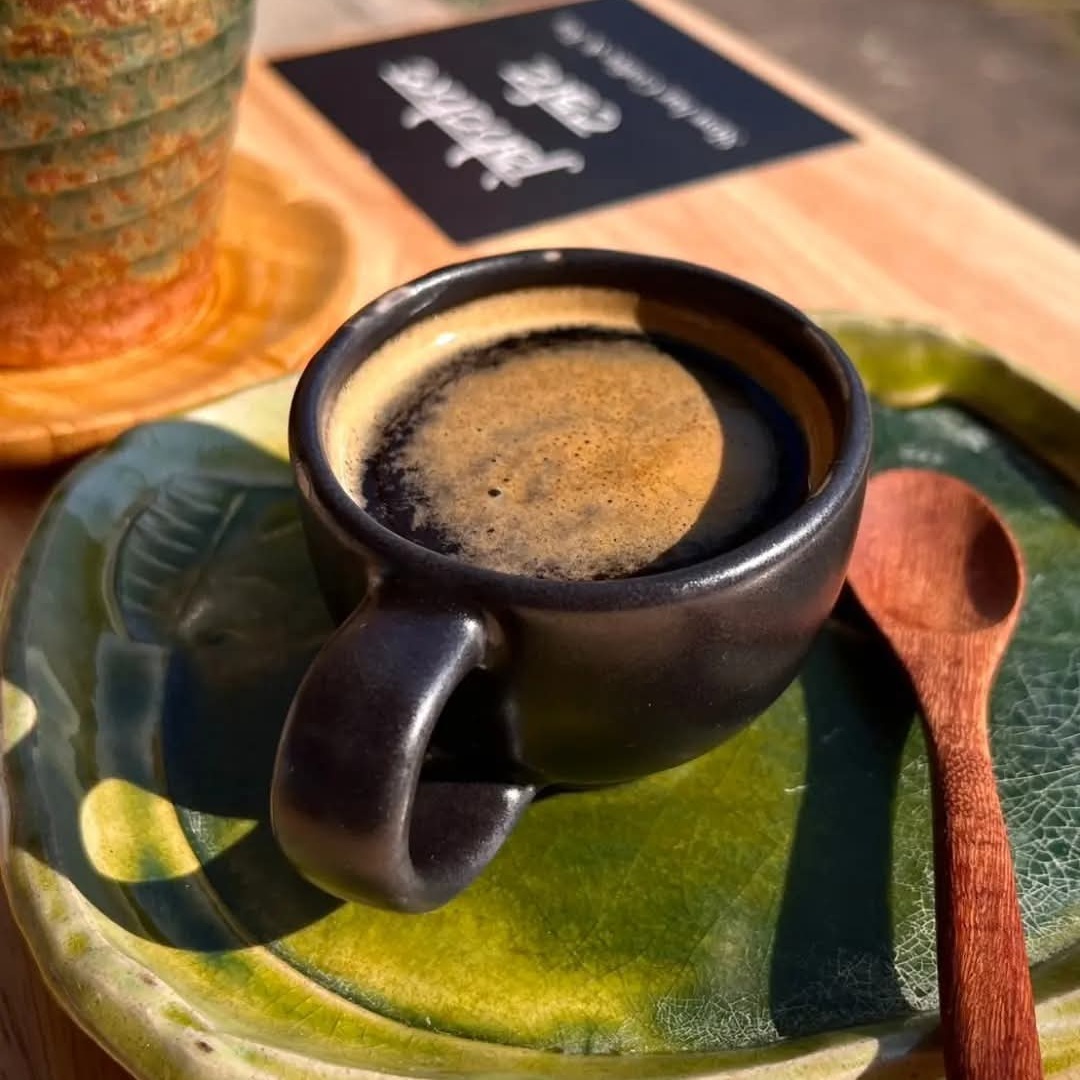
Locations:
(991, 85)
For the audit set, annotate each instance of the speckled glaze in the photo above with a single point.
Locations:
(764, 911)
(116, 121)
(284, 273)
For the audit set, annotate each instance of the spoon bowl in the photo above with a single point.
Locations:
(961, 567)
(940, 574)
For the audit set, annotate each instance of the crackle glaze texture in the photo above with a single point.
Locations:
(116, 120)
(747, 910)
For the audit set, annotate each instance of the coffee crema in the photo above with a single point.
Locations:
(579, 447)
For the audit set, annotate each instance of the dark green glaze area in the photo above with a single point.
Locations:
(779, 886)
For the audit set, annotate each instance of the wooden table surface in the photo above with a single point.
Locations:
(875, 226)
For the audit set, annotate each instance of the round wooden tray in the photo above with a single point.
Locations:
(283, 282)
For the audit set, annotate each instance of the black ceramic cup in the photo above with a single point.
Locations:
(451, 695)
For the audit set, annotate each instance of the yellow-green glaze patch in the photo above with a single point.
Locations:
(780, 886)
(181, 1017)
(130, 833)
(77, 945)
(19, 715)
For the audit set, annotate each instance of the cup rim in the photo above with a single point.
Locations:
(450, 286)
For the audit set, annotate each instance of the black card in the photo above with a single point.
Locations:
(504, 123)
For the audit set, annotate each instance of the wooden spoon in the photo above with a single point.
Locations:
(940, 574)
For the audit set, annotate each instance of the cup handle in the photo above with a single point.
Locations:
(348, 805)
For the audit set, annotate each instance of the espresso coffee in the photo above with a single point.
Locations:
(582, 450)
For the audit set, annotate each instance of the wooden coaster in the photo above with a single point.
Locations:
(283, 282)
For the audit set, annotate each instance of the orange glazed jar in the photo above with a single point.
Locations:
(116, 122)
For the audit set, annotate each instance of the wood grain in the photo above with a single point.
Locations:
(987, 1009)
(878, 226)
(944, 580)
(38, 1040)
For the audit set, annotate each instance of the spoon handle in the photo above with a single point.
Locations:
(987, 1009)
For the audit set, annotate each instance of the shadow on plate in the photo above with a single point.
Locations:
(833, 951)
(213, 617)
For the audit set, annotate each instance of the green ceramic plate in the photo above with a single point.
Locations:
(765, 909)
